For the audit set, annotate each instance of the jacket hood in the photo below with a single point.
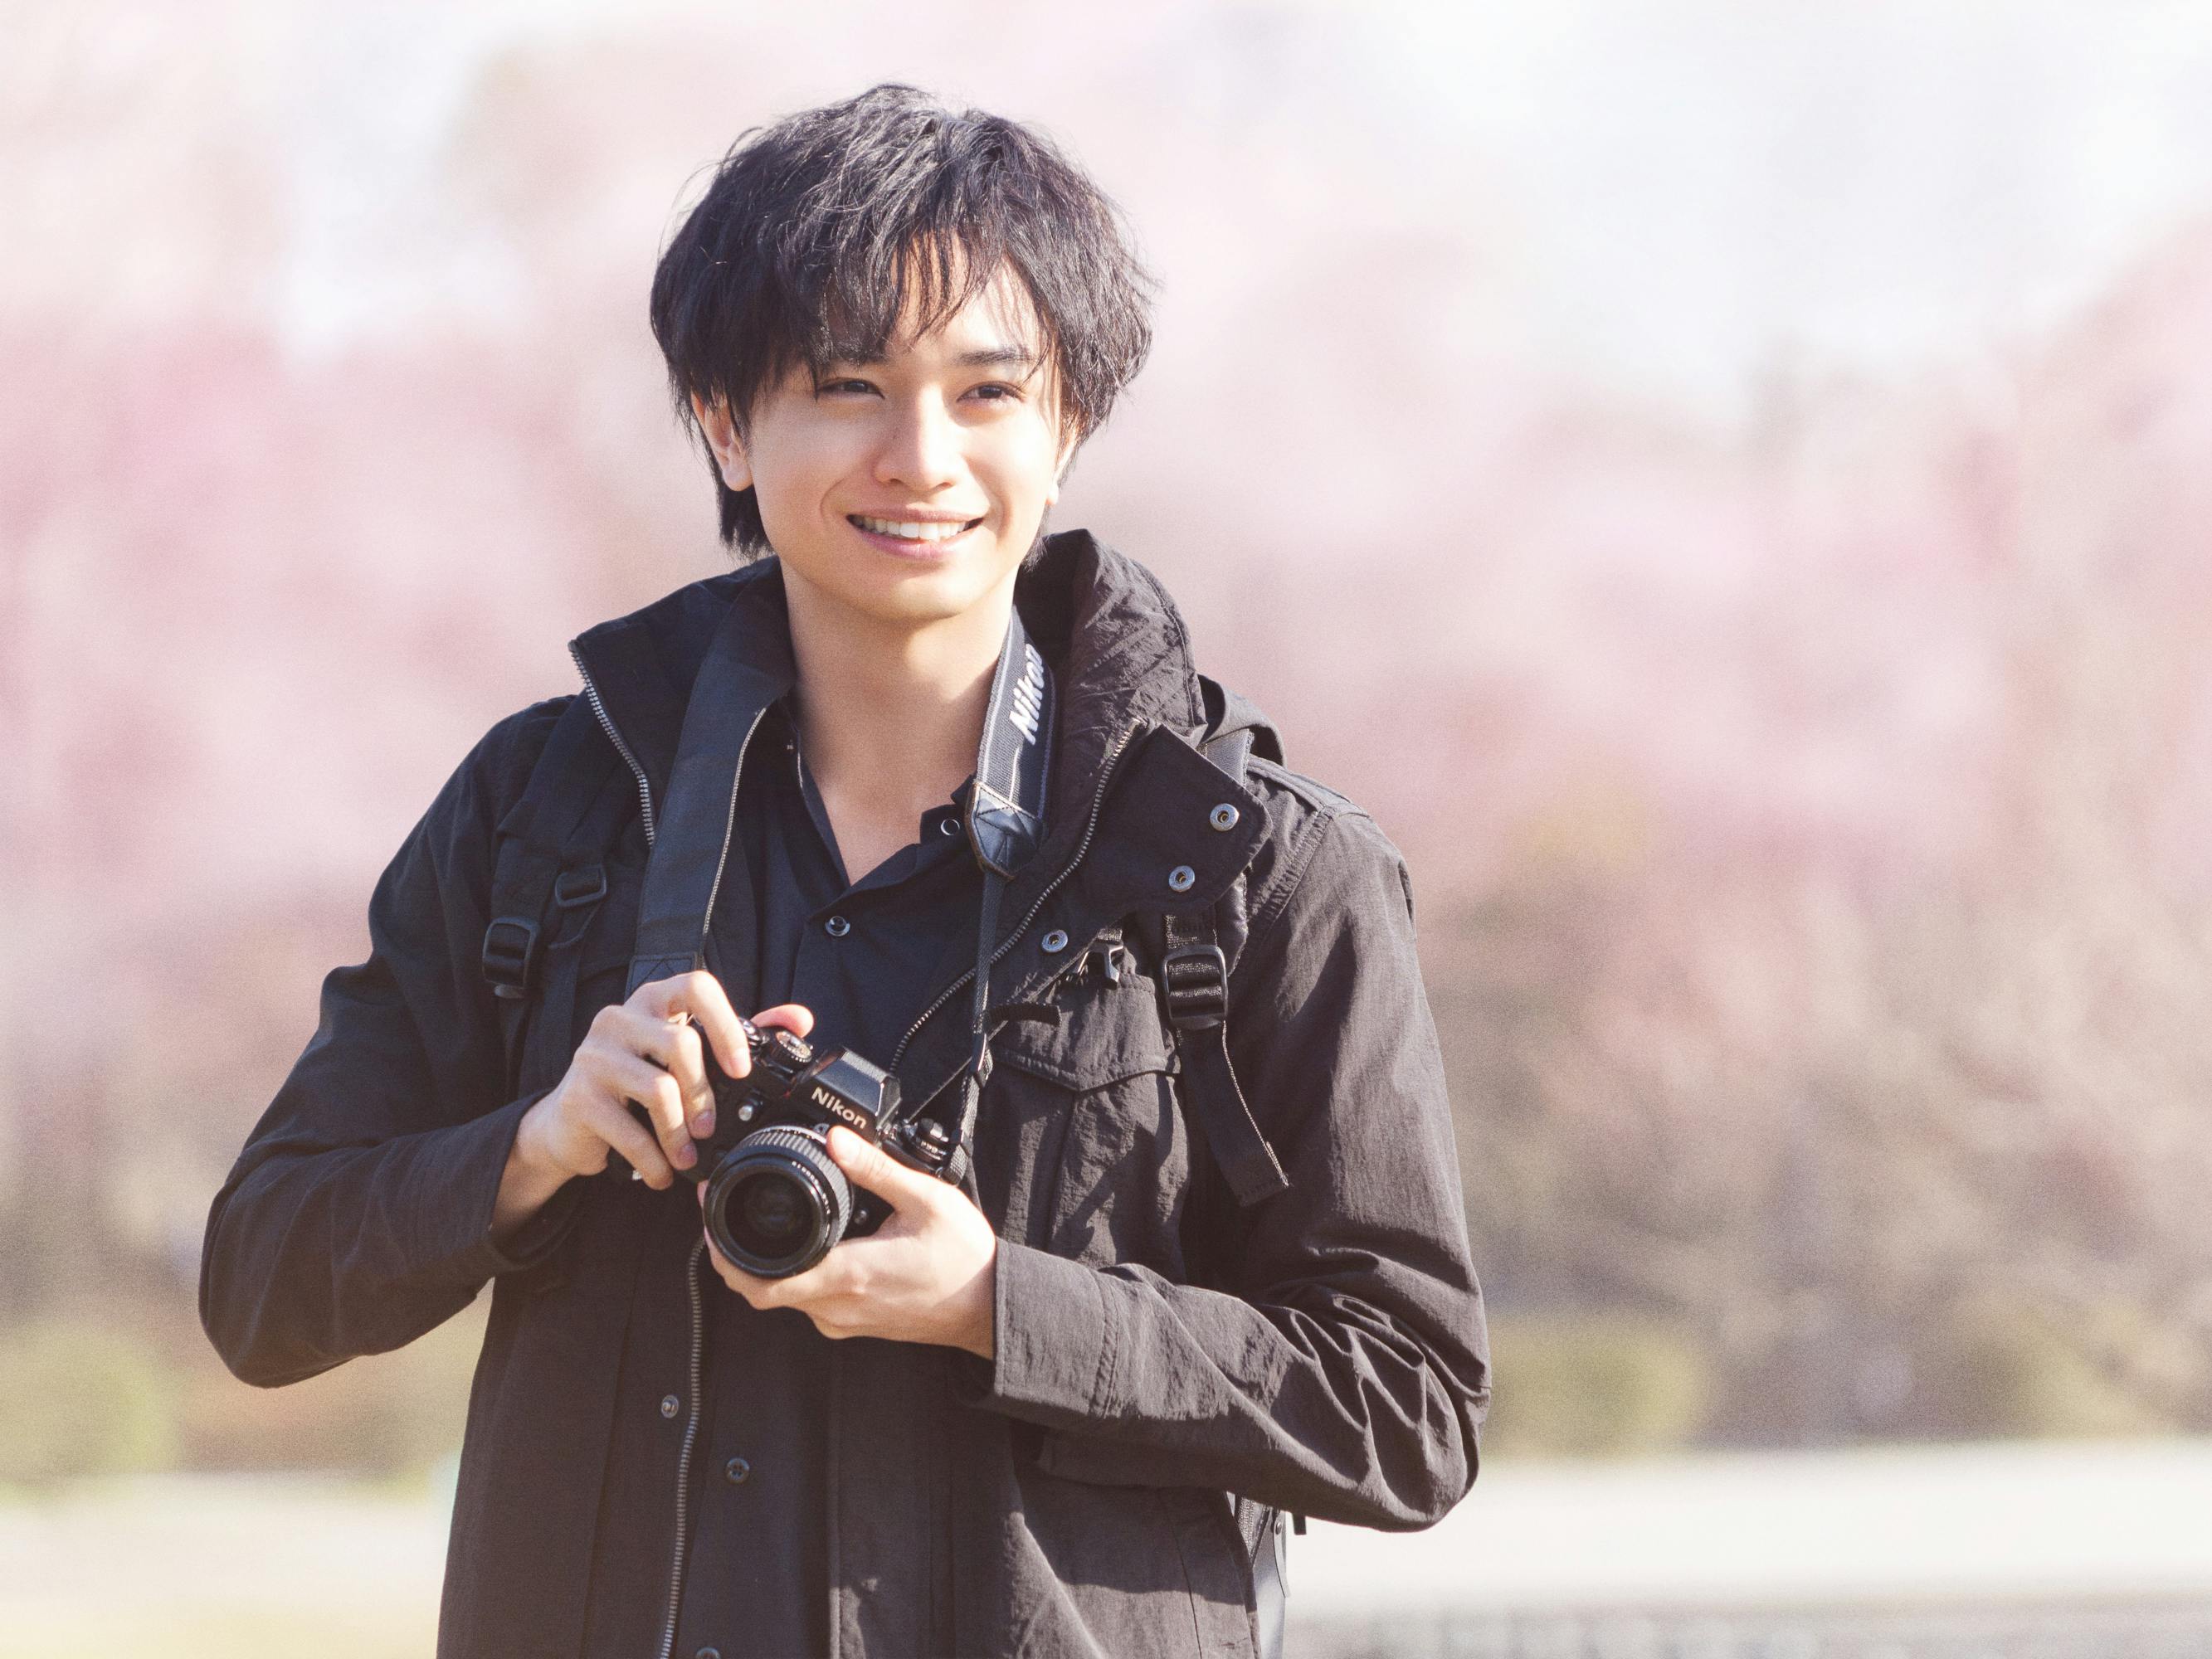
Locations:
(1118, 647)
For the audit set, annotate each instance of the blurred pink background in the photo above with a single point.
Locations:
(1724, 486)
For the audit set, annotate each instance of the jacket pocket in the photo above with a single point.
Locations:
(1187, 1535)
(1098, 1086)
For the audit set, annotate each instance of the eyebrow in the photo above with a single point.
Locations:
(1002, 356)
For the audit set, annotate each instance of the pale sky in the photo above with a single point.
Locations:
(1672, 194)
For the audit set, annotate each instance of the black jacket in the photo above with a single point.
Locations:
(1158, 1347)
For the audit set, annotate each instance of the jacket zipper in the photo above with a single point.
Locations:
(729, 831)
(698, 1313)
(591, 692)
(684, 1459)
(1090, 825)
(691, 1417)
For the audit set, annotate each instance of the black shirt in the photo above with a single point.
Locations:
(858, 955)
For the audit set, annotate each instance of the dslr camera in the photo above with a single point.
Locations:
(777, 1201)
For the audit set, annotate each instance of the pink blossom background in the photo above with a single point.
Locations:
(1727, 494)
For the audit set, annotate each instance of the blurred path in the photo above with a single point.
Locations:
(2096, 1549)
(2099, 1550)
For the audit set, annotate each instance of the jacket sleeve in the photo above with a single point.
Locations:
(359, 1214)
(1344, 1373)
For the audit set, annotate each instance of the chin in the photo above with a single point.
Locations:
(921, 595)
(888, 593)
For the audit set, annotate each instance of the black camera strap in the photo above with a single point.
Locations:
(1003, 809)
(1005, 814)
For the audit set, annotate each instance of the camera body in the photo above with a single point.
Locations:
(777, 1202)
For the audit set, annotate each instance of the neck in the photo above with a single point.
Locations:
(890, 712)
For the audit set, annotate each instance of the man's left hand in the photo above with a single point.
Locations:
(926, 1275)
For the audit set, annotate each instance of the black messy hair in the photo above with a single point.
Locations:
(805, 246)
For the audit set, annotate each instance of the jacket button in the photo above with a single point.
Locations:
(669, 1403)
(836, 928)
(1223, 816)
(708, 1653)
(1054, 942)
(950, 827)
(737, 1470)
(1181, 878)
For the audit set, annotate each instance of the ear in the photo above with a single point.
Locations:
(1064, 460)
(722, 437)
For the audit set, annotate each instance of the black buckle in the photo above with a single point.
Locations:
(510, 952)
(587, 885)
(1196, 978)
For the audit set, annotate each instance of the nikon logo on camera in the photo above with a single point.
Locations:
(844, 1111)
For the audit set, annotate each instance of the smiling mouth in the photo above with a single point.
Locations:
(921, 534)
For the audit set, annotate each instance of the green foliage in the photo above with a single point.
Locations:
(82, 1398)
(1595, 1385)
(2013, 1368)
(390, 1414)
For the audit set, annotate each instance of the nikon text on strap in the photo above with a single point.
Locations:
(1005, 810)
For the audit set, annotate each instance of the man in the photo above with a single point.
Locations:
(1056, 1401)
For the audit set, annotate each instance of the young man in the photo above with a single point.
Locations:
(1179, 1275)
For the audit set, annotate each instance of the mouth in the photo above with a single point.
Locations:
(911, 539)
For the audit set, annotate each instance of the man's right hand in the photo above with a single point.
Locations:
(648, 1050)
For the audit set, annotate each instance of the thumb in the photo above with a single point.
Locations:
(871, 1167)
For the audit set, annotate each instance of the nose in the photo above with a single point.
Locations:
(921, 452)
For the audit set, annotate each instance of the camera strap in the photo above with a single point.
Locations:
(1002, 809)
(1005, 815)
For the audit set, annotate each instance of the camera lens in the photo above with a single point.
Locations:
(778, 1202)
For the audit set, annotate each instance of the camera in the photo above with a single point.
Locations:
(777, 1202)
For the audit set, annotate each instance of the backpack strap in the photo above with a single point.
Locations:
(1194, 979)
(548, 876)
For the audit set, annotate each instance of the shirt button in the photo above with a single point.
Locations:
(708, 1653)
(949, 827)
(668, 1405)
(737, 1470)
(836, 928)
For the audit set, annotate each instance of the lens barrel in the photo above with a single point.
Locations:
(777, 1203)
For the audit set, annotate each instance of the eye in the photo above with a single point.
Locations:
(842, 386)
(1006, 393)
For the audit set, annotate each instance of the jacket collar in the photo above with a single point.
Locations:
(1117, 645)
(1130, 801)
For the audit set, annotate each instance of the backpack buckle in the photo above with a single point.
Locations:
(1196, 980)
(510, 952)
(587, 885)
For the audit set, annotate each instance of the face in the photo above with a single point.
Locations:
(908, 489)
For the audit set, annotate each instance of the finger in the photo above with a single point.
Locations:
(881, 1174)
(795, 1017)
(613, 1124)
(687, 1064)
(763, 1293)
(676, 1045)
(823, 1282)
(657, 1090)
(699, 996)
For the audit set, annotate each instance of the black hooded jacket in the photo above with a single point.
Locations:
(1161, 1351)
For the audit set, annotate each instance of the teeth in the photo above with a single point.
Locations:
(912, 532)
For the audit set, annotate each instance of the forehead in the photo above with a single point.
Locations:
(996, 327)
